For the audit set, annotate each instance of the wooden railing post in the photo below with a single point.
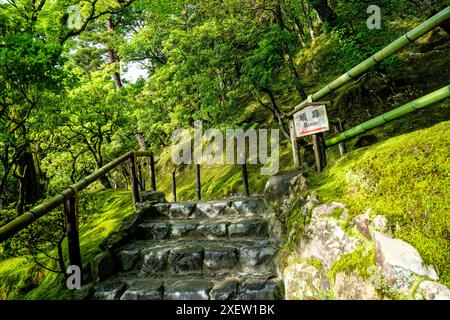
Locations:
(70, 210)
(152, 172)
(319, 151)
(295, 152)
(134, 179)
(198, 184)
(174, 186)
(338, 129)
(245, 180)
(140, 177)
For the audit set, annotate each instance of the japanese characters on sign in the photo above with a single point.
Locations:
(311, 120)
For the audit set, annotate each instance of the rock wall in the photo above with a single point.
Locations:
(329, 255)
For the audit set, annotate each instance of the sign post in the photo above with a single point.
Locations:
(313, 121)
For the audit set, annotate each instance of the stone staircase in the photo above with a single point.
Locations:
(217, 250)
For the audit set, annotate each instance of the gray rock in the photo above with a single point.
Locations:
(261, 290)
(431, 290)
(304, 282)
(248, 228)
(104, 266)
(379, 223)
(182, 210)
(279, 187)
(212, 229)
(188, 290)
(224, 291)
(326, 241)
(115, 240)
(220, 258)
(183, 229)
(110, 290)
(162, 209)
(187, 258)
(399, 261)
(248, 206)
(153, 231)
(213, 209)
(251, 257)
(350, 286)
(153, 196)
(329, 210)
(144, 290)
(155, 259)
(128, 258)
(362, 223)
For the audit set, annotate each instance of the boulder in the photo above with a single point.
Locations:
(186, 258)
(128, 258)
(261, 290)
(153, 231)
(212, 229)
(248, 206)
(212, 209)
(379, 223)
(104, 266)
(431, 290)
(153, 196)
(350, 286)
(220, 258)
(188, 290)
(183, 229)
(155, 259)
(224, 291)
(144, 290)
(399, 262)
(251, 257)
(248, 228)
(279, 187)
(182, 210)
(362, 223)
(110, 290)
(303, 281)
(326, 241)
(329, 210)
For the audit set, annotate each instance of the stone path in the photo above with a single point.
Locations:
(197, 251)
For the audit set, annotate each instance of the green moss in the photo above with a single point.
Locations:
(314, 262)
(406, 179)
(360, 260)
(20, 278)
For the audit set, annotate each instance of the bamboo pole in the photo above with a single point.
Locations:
(384, 53)
(294, 145)
(198, 184)
(29, 217)
(405, 109)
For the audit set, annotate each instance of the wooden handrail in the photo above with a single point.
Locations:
(68, 198)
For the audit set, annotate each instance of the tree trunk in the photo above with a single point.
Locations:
(31, 180)
(325, 12)
(104, 179)
(113, 57)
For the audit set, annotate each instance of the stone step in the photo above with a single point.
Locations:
(231, 227)
(262, 286)
(200, 256)
(252, 206)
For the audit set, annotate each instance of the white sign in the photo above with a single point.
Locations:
(311, 120)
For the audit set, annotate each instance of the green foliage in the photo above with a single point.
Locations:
(405, 179)
(361, 260)
(102, 214)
